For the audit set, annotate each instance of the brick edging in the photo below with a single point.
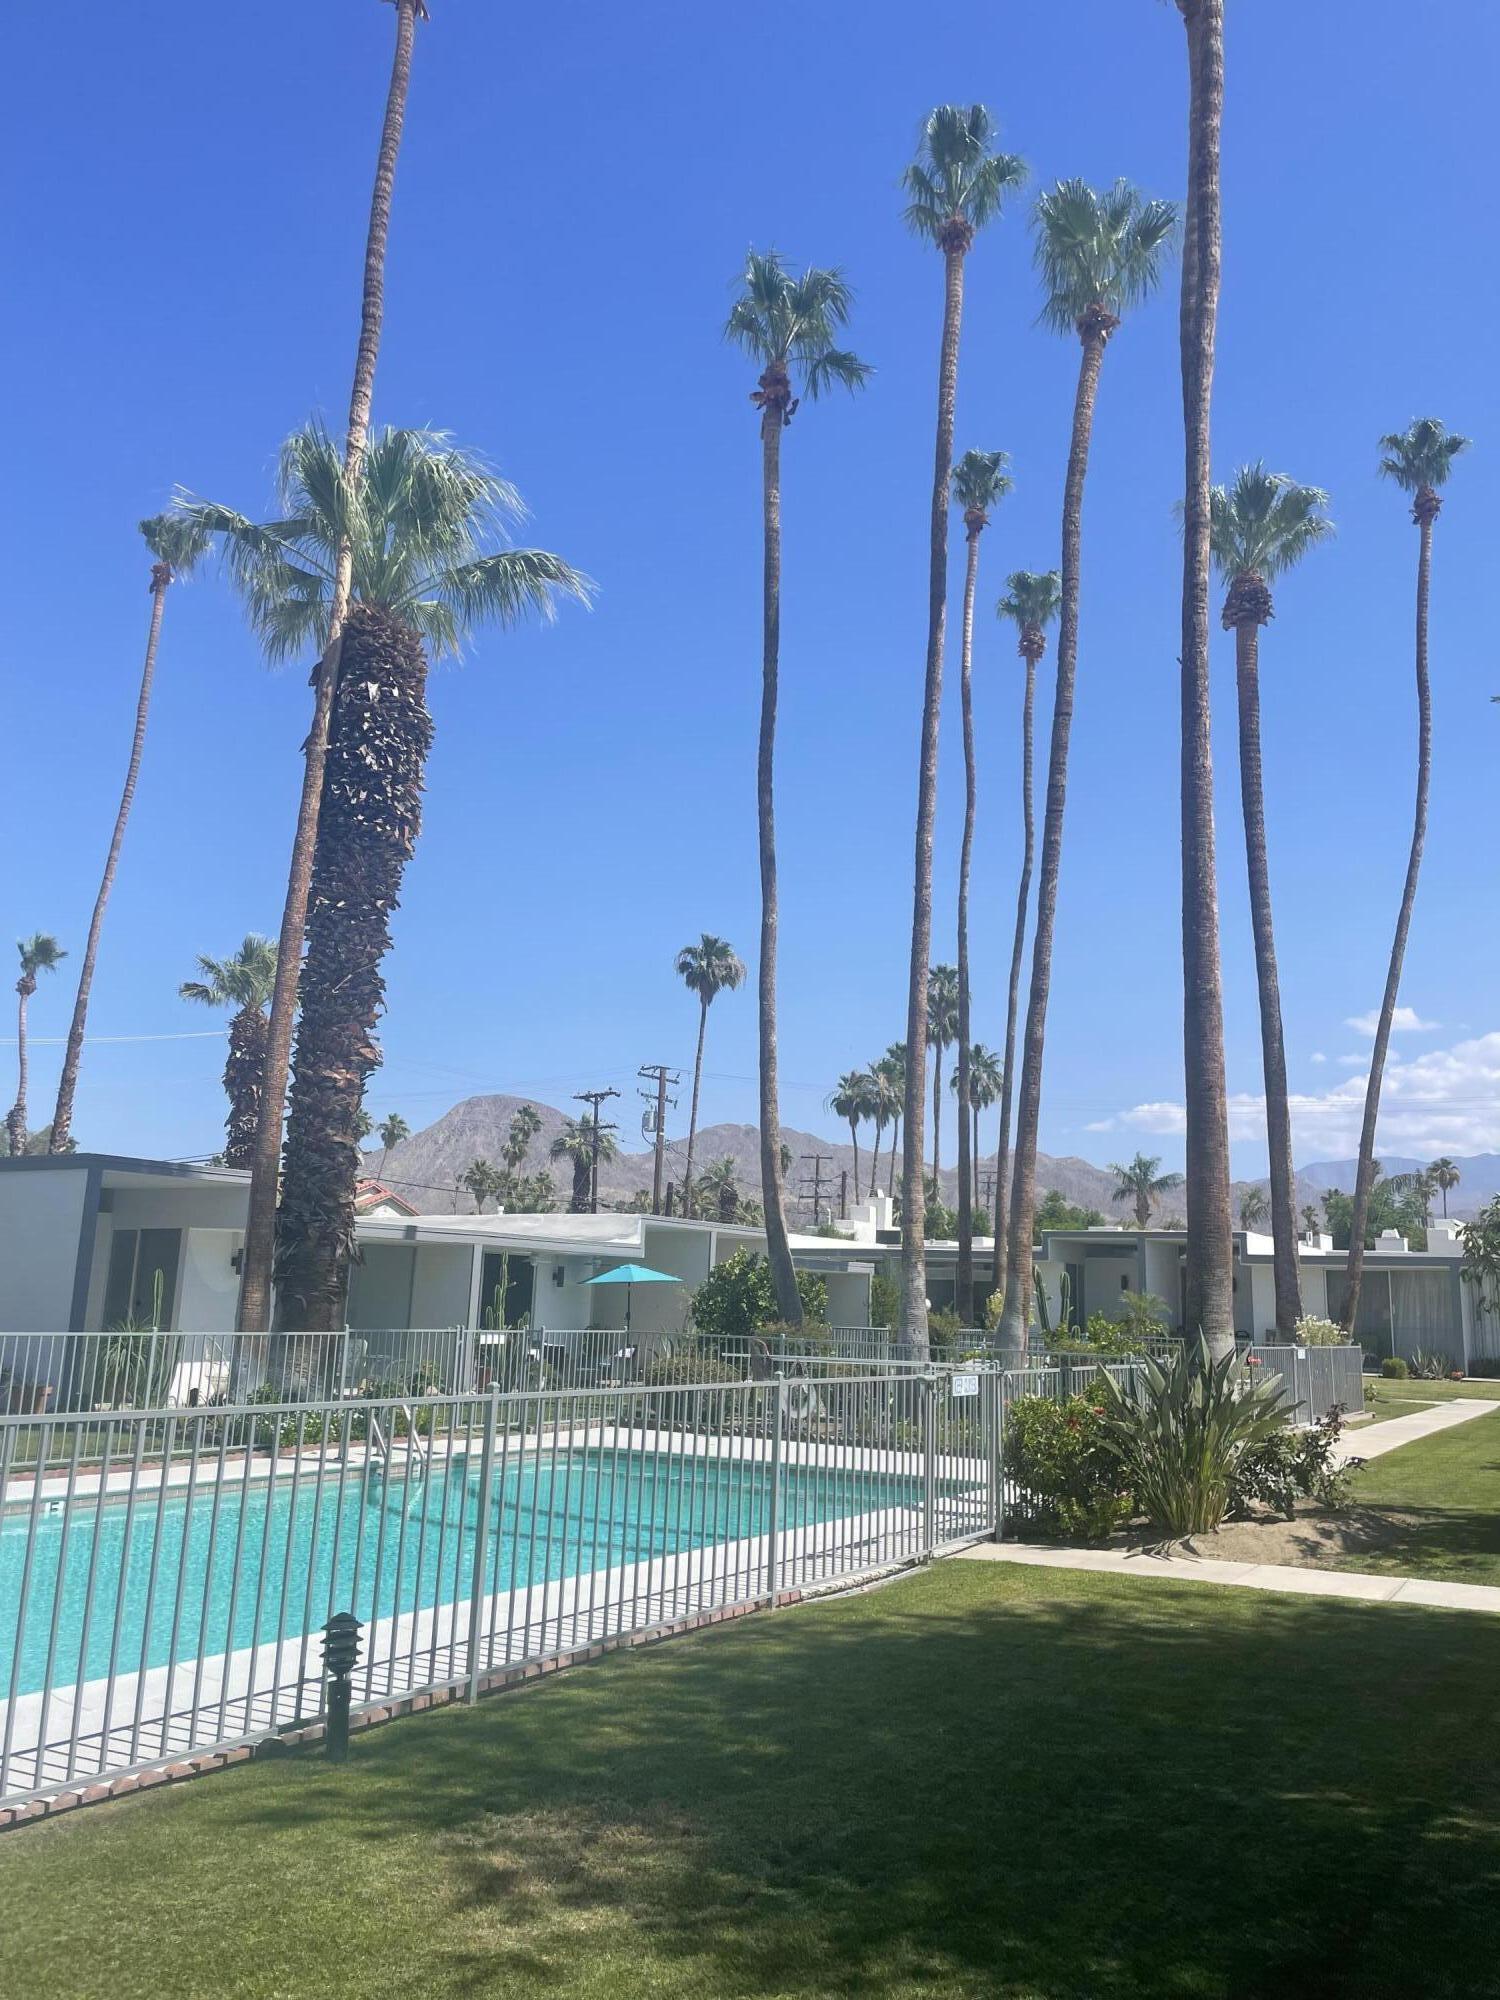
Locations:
(279, 1743)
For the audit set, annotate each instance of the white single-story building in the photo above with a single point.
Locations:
(85, 1238)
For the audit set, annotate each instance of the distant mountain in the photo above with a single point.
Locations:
(425, 1167)
(1479, 1179)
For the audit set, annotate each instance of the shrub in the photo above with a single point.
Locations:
(885, 1301)
(1289, 1466)
(737, 1298)
(1113, 1338)
(943, 1328)
(681, 1370)
(1068, 1472)
(1487, 1366)
(1394, 1369)
(1315, 1332)
(1181, 1426)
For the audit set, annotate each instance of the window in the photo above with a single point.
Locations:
(137, 1258)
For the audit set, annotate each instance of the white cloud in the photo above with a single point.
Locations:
(1442, 1101)
(1405, 1021)
(1317, 1056)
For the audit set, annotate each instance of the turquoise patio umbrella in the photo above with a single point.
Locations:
(630, 1275)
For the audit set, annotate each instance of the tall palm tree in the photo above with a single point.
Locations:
(1031, 603)
(942, 1032)
(243, 981)
(1419, 459)
(956, 185)
(1445, 1177)
(579, 1142)
(708, 968)
(256, 1269)
(38, 953)
(1210, 1241)
(483, 1182)
(425, 576)
(526, 1122)
(1260, 527)
(1098, 255)
(390, 1132)
(176, 545)
(889, 1071)
(1142, 1183)
(718, 1189)
(1255, 1206)
(782, 321)
(852, 1099)
(979, 482)
(985, 1078)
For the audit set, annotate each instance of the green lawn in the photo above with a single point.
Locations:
(1385, 1400)
(981, 1781)
(1434, 1506)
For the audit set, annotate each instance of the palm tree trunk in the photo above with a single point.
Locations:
(244, 1083)
(1210, 1228)
(913, 1205)
(1142, 1209)
(687, 1185)
(62, 1117)
(1018, 947)
(854, 1135)
(15, 1123)
(1425, 513)
(974, 1155)
(1273, 1051)
(1094, 332)
(964, 1288)
(260, 1224)
(367, 826)
(778, 1249)
(937, 1117)
(895, 1137)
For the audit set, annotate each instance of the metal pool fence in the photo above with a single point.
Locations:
(1316, 1378)
(165, 1572)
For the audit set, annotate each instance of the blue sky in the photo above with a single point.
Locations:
(579, 184)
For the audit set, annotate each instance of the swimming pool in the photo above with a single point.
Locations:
(241, 1564)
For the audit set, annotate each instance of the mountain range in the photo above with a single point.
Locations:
(427, 1167)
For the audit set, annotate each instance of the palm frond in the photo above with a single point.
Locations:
(835, 368)
(1264, 523)
(980, 479)
(177, 540)
(1031, 597)
(957, 176)
(502, 588)
(1421, 455)
(1094, 249)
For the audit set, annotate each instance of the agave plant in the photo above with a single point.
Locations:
(1181, 1427)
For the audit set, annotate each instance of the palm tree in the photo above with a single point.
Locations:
(1255, 1206)
(1209, 1294)
(1031, 603)
(1312, 1222)
(986, 1079)
(1445, 1177)
(708, 968)
(885, 1099)
(979, 481)
(424, 577)
(718, 1189)
(1260, 527)
(580, 1142)
(1098, 255)
(942, 1031)
(483, 1182)
(854, 1098)
(1141, 1183)
(39, 953)
(1419, 460)
(176, 545)
(391, 1131)
(956, 185)
(243, 981)
(781, 320)
(254, 1314)
(889, 1072)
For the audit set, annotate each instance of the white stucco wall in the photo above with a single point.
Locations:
(208, 1285)
(441, 1284)
(380, 1286)
(41, 1218)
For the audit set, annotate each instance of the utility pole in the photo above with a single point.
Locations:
(843, 1194)
(819, 1162)
(654, 1121)
(595, 1098)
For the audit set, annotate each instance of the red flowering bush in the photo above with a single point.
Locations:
(1069, 1477)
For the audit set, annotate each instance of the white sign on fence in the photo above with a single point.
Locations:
(966, 1385)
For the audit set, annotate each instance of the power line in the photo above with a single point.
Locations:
(595, 1098)
(654, 1120)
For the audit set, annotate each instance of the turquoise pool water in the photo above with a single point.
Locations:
(246, 1565)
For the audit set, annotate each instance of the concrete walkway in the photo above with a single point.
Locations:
(1375, 1440)
(1179, 1566)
